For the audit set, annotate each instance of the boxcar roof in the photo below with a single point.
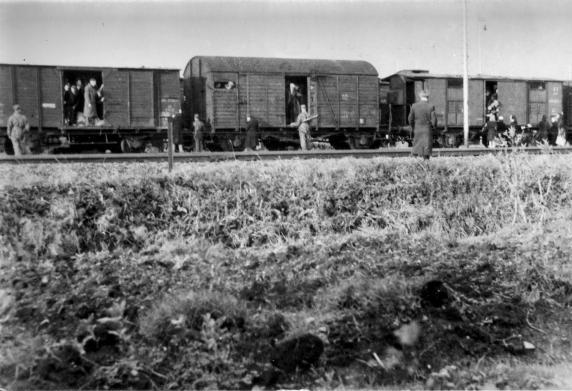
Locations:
(424, 74)
(89, 68)
(285, 65)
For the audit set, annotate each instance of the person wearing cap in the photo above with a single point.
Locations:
(251, 133)
(18, 129)
(303, 124)
(199, 129)
(423, 120)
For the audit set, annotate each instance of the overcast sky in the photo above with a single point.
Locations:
(506, 37)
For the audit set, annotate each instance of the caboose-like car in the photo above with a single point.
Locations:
(224, 90)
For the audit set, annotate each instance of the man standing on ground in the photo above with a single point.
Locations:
(423, 120)
(251, 133)
(199, 127)
(18, 129)
(303, 124)
(178, 132)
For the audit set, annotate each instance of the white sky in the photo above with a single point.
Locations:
(522, 37)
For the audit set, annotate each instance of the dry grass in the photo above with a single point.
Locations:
(340, 248)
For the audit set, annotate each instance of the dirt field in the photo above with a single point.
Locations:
(451, 274)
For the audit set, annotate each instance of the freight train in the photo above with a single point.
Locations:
(356, 109)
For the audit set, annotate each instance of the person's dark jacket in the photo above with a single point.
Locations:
(543, 127)
(251, 134)
(423, 119)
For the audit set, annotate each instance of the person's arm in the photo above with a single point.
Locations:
(433, 118)
(296, 123)
(9, 128)
(411, 117)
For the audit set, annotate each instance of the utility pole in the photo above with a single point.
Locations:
(465, 78)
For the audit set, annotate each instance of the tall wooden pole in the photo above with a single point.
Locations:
(465, 78)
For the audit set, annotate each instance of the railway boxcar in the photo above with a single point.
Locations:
(136, 106)
(224, 90)
(527, 99)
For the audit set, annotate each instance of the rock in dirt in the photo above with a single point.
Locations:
(435, 294)
(299, 352)
(408, 334)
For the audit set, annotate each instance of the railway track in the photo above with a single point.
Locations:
(261, 155)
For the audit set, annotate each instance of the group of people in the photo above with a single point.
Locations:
(252, 131)
(497, 133)
(80, 104)
(423, 120)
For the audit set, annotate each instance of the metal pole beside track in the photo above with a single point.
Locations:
(465, 78)
(170, 143)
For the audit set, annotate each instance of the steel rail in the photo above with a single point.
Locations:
(264, 155)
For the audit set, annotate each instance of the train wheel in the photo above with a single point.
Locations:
(361, 142)
(125, 147)
(339, 141)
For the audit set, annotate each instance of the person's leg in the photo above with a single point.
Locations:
(302, 140)
(16, 146)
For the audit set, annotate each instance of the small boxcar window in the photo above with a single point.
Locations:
(537, 85)
(455, 83)
(224, 85)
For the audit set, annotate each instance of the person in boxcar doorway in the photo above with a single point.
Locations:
(293, 102)
(73, 101)
(423, 120)
(303, 124)
(68, 107)
(199, 130)
(18, 129)
(80, 99)
(251, 133)
(89, 106)
(493, 106)
(178, 131)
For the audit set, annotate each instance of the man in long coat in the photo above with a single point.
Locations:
(199, 129)
(423, 120)
(89, 108)
(251, 133)
(178, 131)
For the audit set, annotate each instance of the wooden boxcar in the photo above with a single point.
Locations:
(527, 99)
(137, 103)
(224, 90)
